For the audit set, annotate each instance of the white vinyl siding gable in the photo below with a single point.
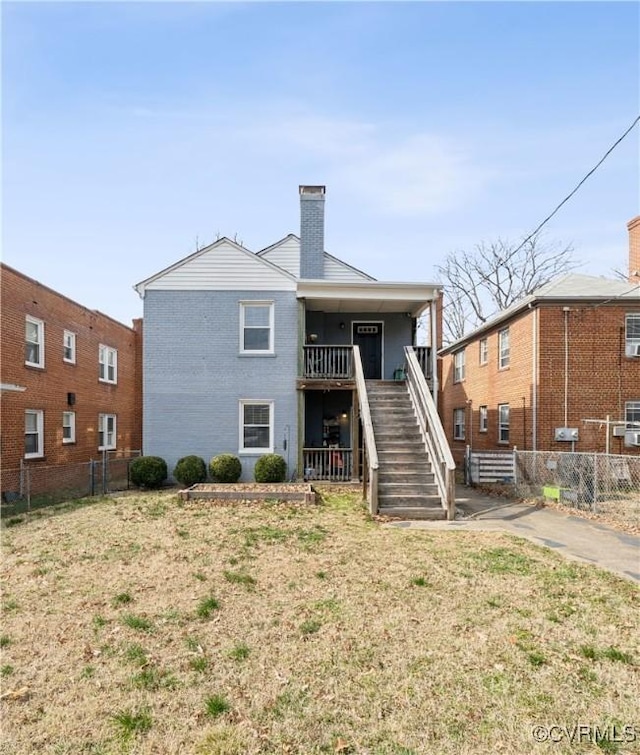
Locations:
(34, 342)
(222, 267)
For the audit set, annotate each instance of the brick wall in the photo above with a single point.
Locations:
(634, 250)
(600, 379)
(47, 388)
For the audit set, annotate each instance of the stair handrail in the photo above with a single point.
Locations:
(367, 431)
(433, 432)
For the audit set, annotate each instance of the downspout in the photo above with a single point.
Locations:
(433, 315)
(566, 366)
(534, 379)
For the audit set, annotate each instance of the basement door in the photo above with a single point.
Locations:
(368, 336)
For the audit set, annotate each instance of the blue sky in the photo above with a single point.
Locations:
(133, 131)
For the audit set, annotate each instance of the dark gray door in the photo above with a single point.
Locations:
(368, 336)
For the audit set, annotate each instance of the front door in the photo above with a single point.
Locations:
(368, 336)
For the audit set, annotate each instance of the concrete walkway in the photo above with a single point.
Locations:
(572, 536)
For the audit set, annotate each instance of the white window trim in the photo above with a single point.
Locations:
(631, 345)
(107, 350)
(72, 335)
(483, 418)
(502, 425)
(71, 425)
(483, 353)
(462, 425)
(40, 342)
(101, 420)
(459, 366)
(258, 352)
(504, 355)
(39, 431)
(255, 451)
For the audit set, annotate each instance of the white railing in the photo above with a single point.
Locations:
(332, 464)
(370, 462)
(328, 362)
(432, 432)
(423, 355)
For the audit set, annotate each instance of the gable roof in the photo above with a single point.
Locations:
(223, 265)
(572, 287)
(286, 254)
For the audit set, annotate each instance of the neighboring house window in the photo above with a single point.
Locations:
(458, 366)
(106, 431)
(256, 426)
(256, 327)
(108, 359)
(68, 427)
(69, 354)
(632, 415)
(484, 351)
(483, 415)
(503, 348)
(503, 423)
(458, 424)
(632, 335)
(34, 342)
(33, 433)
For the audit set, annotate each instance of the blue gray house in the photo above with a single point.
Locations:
(290, 350)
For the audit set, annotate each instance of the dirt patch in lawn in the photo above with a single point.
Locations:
(146, 624)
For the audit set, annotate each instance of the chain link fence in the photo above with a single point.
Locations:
(598, 483)
(33, 486)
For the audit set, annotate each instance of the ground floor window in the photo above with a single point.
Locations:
(458, 424)
(256, 426)
(106, 431)
(503, 423)
(68, 427)
(33, 433)
(483, 414)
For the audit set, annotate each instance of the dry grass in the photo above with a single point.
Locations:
(145, 625)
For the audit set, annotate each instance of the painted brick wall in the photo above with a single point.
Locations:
(194, 376)
(600, 379)
(312, 236)
(47, 388)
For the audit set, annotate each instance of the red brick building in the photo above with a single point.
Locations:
(71, 378)
(532, 375)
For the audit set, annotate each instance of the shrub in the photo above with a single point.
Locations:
(148, 471)
(270, 468)
(190, 470)
(225, 468)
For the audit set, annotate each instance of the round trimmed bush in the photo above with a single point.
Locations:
(148, 471)
(270, 468)
(190, 470)
(225, 468)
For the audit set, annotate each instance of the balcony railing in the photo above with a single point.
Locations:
(332, 464)
(423, 355)
(328, 362)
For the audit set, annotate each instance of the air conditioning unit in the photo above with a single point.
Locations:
(634, 350)
(632, 438)
(619, 431)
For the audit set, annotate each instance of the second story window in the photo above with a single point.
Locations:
(632, 335)
(34, 342)
(256, 328)
(108, 359)
(503, 348)
(458, 424)
(458, 366)
(69, 349)
(483, 356)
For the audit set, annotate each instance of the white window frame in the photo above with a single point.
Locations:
(69, 421)
(459, 361)
(632, 415)
(112, 442)
(503, 423)
(39, 343)
(483, 351)
(459, 424)
(39, 415)
(104, 366)
(244, 305)
(483, 418)
(632, 339)
(251, 449)
(69, 342)
(504, 350)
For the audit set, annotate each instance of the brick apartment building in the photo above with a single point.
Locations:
(71, 379)
(532, 375)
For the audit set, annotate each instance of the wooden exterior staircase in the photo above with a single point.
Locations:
(406, 480)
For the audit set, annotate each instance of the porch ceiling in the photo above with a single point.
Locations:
(374, 297)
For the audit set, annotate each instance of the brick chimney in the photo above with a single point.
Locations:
(634, 250)
(312, 231)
